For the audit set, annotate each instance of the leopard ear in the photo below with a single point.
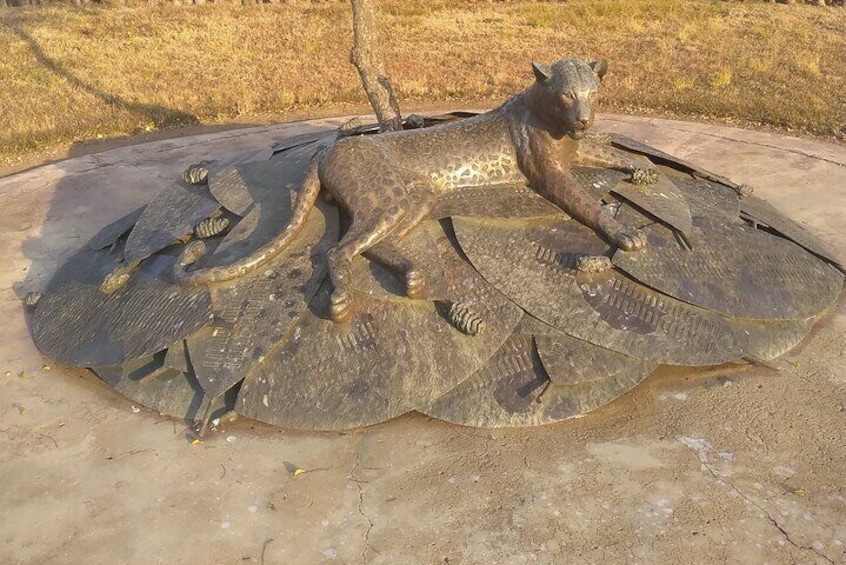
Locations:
(542, 72)
(600, 67)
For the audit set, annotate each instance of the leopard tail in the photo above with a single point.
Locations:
(261, 256)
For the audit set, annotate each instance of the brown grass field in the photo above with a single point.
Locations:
(71, 74)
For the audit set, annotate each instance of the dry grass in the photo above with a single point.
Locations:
(71, 74)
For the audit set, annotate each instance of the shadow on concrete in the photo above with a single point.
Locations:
(52, 213)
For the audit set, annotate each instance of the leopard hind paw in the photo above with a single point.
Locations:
(465, 318)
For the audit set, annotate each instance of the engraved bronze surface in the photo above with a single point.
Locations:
(394, 355)
(254, 314)
(503, 269)
(171, 215)
(764, 214)
(108, 235)
(150, 382)
(539, 376)
(78, 324)
(531, 261)
(239, 187)
(734, 269)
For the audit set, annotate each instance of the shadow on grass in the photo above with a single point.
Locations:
(161, 116)
(169, 122)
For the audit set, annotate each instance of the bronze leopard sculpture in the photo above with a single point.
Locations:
(389, 183)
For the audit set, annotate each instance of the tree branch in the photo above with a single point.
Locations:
(366, 57)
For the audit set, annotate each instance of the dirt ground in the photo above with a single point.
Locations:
(723, 466)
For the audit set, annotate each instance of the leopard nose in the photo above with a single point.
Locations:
(582, 124)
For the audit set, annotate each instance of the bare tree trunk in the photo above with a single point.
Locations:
(367, 58)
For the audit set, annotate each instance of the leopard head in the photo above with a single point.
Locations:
(563, 95)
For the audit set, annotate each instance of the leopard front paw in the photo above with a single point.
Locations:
(630, 240)
(197, 173)
(415, 284)
(340, 306)
(644, 175)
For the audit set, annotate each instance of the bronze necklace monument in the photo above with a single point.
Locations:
(504, 269)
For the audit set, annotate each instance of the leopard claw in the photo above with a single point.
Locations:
(593, 264)
(631, 240)
(31, 299)
(744, 191)
(196, 174)
(415, 284)
(340, 306)
(644, 176)
(465, 318)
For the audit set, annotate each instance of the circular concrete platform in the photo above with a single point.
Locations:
(744, 466)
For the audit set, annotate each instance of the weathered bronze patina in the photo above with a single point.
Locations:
(503, 269)
(390, 183)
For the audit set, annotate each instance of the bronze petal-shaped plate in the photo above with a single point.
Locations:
(176, 357)
(658, 156)
(768, 339)
(79, 325)
(762, 212)
(709, 196)
(662, 200)
(541, 380)
(395, 355)
(252, 314)
(533, 263)
(114, 231)
(253, 155)
(85, 267)
(151, 383)
(239, 187)
(301, 140)
(571, 361)
(172, 214)
(734, 269)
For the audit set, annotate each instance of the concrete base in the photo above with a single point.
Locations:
(710, 467)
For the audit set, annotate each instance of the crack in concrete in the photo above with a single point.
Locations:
(774, 522)
(704, 466)
(361, 512)
(267, 542)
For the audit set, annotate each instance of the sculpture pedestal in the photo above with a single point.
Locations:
(766, 436)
